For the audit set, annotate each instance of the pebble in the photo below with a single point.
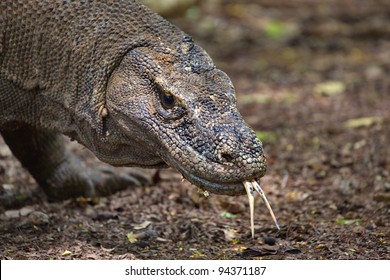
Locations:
(142, 244)
(38, 218)
(269, 240)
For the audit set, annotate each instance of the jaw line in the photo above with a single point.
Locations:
(223, 188)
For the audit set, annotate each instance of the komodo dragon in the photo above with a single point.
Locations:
(125, 83)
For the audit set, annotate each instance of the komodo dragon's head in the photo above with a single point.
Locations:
(174, 106)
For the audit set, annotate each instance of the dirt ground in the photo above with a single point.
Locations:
(312, 78)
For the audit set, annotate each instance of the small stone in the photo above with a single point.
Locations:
(146, 235)
(38, 218)
(8, 187)
(370, 227)
(12, 214)
(358, 230)
(142, 244)
(5, 152)
(269, 240)
(25, 211)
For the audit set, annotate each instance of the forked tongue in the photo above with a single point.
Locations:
(251, 199)
(249, 187)
(262, 194)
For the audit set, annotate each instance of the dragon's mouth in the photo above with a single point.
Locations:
(232, 188)
(245, 186)
(223, 188)
(229, 187)
(248, 186)
(240, 186)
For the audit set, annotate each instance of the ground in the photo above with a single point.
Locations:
(312, 79)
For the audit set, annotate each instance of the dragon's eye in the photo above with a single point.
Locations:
(168, 101)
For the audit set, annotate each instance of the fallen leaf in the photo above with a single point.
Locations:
(382, 197)
(292, 250)
(230, 234)
(232, 206)
(254, 98)
(259, 251)
(342, 221)
(66, 252)
(197, 255)
(321, 246)
(226, 214)
(363, 122)
(131, 237)
(104, 216)
(329, 88)
(143, 225)
(266, 136)
(277, 29)
(49, 237)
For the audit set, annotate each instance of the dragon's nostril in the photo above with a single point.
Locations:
(227, 157)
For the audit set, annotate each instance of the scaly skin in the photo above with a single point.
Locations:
(126, 84)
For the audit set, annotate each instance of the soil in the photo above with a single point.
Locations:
(312, 79)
